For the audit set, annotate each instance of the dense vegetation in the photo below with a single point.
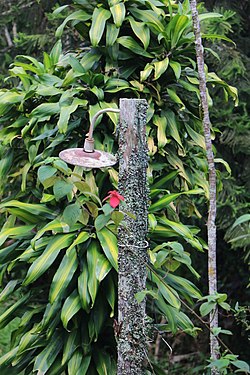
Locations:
(58, 238)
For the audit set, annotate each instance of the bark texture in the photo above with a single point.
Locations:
(211, 226)
(132, 244)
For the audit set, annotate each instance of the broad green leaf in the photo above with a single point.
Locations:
(118, 12)
(56, 52)
(70, 307)
(129, 43)
(61, 188)
(45, 359)
(207, 307)
(45, 109)
(141, 31)
(63, 275)
(79, 15)
(41, 264)
(45, 172)
(101, 221)
(99, 18)
(108, 242)
(65, 112)
(71, 214)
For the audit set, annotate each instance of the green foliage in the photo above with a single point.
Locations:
(57, 236)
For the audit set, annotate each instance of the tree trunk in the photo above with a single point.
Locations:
(132, 244)
(211, 226)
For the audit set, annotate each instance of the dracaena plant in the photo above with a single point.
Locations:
(58, 237)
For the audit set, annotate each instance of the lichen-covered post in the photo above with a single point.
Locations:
(132, 244)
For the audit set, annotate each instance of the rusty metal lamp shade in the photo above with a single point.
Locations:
(87, 156)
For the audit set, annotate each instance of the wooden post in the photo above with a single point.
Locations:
(132, 243)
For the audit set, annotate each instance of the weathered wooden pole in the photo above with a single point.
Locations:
(132, 244)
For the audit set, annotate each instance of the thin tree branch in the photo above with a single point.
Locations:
(211, 226)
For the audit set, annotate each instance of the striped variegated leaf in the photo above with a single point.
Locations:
(71, 344)
(161, 123)
(111, 34)
(35, 209)
(41, 264)
(118, 12)
(9, 288)
(176, 68)
(99, 18)
(93, 254)
(63, 275)
(168, 198)
(79, 15)
(103, 267)
(144, 74)
(160, 67)
(110, 294)
(108, 242)
(75, 362)
(45, 359)
(183, 285)
(141, 31)
(70, 307)
(149, 17)
(168, 293)
(8, 315)
(129, 43)
(16, 232)
(90, 58)
(83, 290)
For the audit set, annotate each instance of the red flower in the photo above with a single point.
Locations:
(114, 198)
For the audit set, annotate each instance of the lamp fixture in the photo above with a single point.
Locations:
(87, 156)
